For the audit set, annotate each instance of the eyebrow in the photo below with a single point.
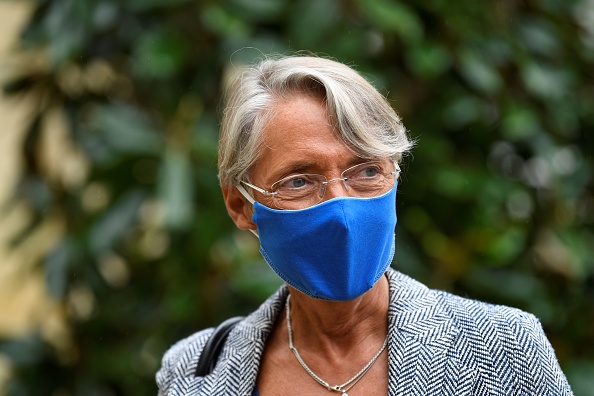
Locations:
(305, 166)
(295, 167)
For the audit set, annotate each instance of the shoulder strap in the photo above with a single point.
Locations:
(212, 348)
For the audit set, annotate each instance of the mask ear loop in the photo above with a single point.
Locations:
(251, 200)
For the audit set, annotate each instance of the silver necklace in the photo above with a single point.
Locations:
(338, 388)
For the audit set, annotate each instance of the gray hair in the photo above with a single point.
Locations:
(362, 117)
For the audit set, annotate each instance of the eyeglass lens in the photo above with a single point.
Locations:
(363, 180)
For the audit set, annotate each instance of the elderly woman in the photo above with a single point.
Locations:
(308, 162)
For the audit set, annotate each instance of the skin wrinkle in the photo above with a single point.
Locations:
(361, 310)
(361, 116)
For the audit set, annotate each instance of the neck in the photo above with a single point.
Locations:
(335, 327)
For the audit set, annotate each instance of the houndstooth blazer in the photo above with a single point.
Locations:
(438, 344)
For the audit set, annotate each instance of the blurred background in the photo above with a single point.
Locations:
(114, 240)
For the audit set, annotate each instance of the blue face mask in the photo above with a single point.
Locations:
(335, 250)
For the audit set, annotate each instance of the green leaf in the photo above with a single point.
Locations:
(463, 111)
(307, 33)
(519, 122)
(66, 24)
(546, 82)
(126, 129)
(147, 5)
(428, 60)
(508, 244)
(56, 266)
(540, 36)
(221, 21)
(113, 225)
(478, 71)
(258, 10)
(392, 16)
(159, 54)
(176, 192)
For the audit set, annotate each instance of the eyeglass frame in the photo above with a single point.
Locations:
(323, 185)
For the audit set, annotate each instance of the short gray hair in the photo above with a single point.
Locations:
(362, 117)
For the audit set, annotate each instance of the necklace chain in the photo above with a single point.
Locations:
(338, 388)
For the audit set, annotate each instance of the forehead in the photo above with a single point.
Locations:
(300, 137)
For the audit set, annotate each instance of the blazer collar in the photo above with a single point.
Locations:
(240, 359)
(419, 337)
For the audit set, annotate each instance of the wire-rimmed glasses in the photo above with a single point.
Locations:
(301, 191)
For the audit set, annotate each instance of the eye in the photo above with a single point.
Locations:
(294, 183)
(366, 171)
(298, 182)
(370, 171)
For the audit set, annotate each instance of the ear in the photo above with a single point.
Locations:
(239, 208)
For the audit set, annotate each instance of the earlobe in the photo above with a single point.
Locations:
(238, 208)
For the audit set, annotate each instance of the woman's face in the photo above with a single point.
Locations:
(299, 138)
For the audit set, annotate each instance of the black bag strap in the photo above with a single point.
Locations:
(214, 345)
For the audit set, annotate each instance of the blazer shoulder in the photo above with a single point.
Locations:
(474, 310)
(505, 342)
(181, 358)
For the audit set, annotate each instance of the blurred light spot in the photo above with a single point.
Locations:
(75, 168)
(540, 36)
(545, 82)
(114, 270)
(81, 302)
(537, 173)
(375, 43)
(70, 80)
(501, 149)
(62, 159)
(519, 122)
(94, 197)
(564, 161)
(503, 157)
(552, 254)
(104, 15)
(154, 244)
(152, 213)
(479, 72)
(99, 76)
(5, 371)
(428, 60)
(149, 356)
(56, 330)
(505, 245)
(584, 15)
(519, 205)
(463, 111)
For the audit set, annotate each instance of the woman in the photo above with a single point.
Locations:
(308, 161)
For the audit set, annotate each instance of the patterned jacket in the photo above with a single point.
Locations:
(438, 344)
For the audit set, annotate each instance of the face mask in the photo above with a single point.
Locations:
(335, 250)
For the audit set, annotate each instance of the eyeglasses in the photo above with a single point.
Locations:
(369, 179)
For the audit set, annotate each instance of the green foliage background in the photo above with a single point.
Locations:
(496, 201)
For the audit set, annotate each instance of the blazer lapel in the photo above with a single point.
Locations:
(421, 343)
(237, 368)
